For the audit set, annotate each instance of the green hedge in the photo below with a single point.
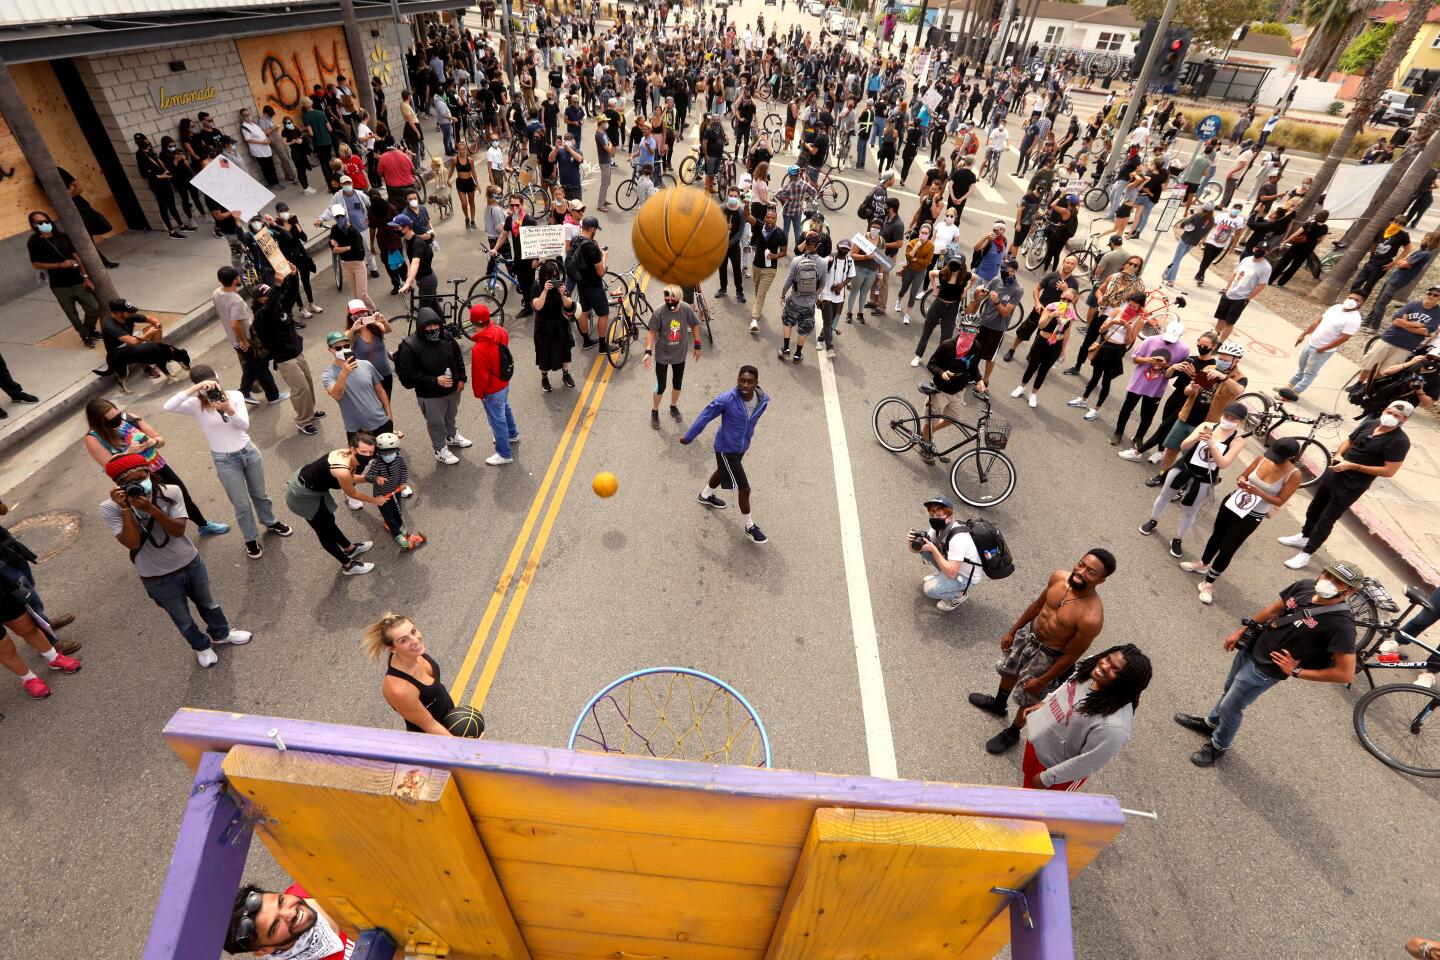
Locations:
(1310, 137)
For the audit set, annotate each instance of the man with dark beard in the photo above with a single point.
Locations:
(1053, 632)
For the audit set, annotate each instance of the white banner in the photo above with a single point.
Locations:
(931, 99)
(1353, 188)
(227, 184)
(541, 243)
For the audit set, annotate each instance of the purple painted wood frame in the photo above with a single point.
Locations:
(205, 871)
(1048, 897)
(374, 945)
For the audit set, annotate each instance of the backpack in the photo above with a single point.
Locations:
(507, 362)
(867, 206)
(573, 262)
(807, 277)
(995, 558)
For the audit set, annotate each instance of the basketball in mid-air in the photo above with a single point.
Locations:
(465, 722)
(680, 236)
(605, 484)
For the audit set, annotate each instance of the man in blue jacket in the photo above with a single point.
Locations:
(739, 410)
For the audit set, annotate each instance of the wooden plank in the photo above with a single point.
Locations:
(633, 852)
(881, 883)
(205, 871)
(380, 844)
(549, 943)
(1048, 898)
(659, 908)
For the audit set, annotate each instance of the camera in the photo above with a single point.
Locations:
(1252, 630)
(215, 396)
(135, 490)
(917, 539)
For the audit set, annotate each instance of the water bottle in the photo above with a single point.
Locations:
(1425, 680)
(447, 377)
(1389, 646)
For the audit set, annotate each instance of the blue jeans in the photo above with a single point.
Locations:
(174, 593)
(860, 143)
(447, 135)
(242, 474)
(793, 225)
(1309, 368)
(1173, 271)
(1425, 618)
(502, 420)
(942, 587)
(1144, 204)
(1242, 687)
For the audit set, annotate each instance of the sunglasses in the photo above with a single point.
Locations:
(243, 933)
(514, 206)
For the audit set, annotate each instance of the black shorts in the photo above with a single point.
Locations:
(986, 343)
(732, 471)
(594, 300)
(1230, 310)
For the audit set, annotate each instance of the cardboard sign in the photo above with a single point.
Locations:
(271, 249)
(541, 243)
(931, 99)
(227, 184)
(922, 65)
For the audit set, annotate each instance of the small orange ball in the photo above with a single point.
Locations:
(605, 484)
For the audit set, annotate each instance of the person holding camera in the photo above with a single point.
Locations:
(149, 520)
(950, 551)
(225, 420)
(1307, 634)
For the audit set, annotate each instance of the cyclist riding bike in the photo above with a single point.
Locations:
(953, 366)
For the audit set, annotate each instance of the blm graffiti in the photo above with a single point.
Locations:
(284, 68)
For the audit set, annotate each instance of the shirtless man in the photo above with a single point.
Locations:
(1045, 642)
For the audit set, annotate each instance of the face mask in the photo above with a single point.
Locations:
(363, 461)
(349, 190)
(45, 228)
(1389, 420)
(733, 203)
(1351, 303)
(431, 334)
(938, 523)
(342, 354)
(171, 149)
(414, 204)
(1228, 424)
(255, 225)
(1325, 590)
(390, 456)
(1224, 365)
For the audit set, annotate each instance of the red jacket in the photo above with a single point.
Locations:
(485, 360)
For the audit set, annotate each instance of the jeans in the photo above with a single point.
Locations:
(174, 592)
(860, 143)
(793, 224)
(1413, 627)
(1172, 272)
(1311, 360)
(942, 587)
(242, 474)
(447, 136)
(502, 420)
(860, 291)
(1242, 687)
(1144, 204)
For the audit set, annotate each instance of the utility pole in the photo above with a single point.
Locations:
(400, 45)
(359, 76)
(1137, 92)
(37, 153)
(997, 46)
(920, 27)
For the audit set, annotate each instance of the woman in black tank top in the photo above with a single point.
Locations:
(412, 686)
(462, 171)
(948, 283)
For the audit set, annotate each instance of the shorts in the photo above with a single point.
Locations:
(732, 471)
(1124, 210)
(595, 300)
(1230, 310)
(1190, 190)
(987, 341)
(1030, 765)
(1178, 432)
(802, 318)
(951, 405)
(712, 166)
(10, 606)
(1028, 658)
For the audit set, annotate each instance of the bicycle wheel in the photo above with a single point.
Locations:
(407, 319)
(627, 194)
(896, 424)
(1210, 193)
(497, 312)
(773, 124)
(982, 477)
(1257, 411)
(640, 309)
(925, 302)
(1314, 458)
(492, 287)
(618, 341)
(689, 170)
(1366, 617)
(335, 269)
(993, 173)
(420, 186)
(1390, 722)
(1096, 199)
(834, 195)
(1032, 251)
(667, 180)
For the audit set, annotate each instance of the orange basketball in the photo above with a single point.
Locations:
(680, 236)
(605, 484)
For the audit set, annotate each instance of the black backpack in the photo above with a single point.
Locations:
(507, 362)
(995, 558)
(573, 262)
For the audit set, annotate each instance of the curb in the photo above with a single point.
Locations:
(1381, 531)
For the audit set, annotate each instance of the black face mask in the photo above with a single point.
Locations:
(431, 334)
(364, 459)
(938, 523)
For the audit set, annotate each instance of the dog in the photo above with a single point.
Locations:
(440, 194)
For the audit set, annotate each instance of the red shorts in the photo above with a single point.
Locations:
(1030, 767)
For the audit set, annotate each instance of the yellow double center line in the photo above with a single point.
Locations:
(550, 493)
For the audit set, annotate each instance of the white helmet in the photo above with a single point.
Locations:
(1231, 349)
(387, 441)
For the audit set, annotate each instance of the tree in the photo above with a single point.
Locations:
(1272, 29)
(1420, 135)
(1376, 82)
(1212, 20)
(1365, 49)
(1335, 25)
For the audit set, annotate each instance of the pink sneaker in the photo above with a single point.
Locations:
(37, 688)
(65, 664)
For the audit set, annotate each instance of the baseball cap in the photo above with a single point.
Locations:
(577, 204)
(403, 220)
(346, 180)
(1237, 410)
(1285, 448)
(356, 306)
(1173, 331)
(121, 305)
(938, 502)
(1346, 572)
(337, 211)
(590, 222)
(1010, 263)
(336, 337)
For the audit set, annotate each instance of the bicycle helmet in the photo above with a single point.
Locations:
(793, 170)
(1231, 349)
(387, 441)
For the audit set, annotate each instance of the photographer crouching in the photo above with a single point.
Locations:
(947, 547)
(1308, 634)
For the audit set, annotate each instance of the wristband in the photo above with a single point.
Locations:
(649, 352)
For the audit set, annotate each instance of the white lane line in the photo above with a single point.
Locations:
(969, 205)
(988, 192)
(879, 741)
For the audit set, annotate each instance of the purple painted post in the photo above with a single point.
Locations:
(205, 871)
(1048, 897)
(374, 945)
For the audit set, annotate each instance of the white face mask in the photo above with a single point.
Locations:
(1227, 424)
(1389, 420)
(1351, 303)
(414, 204)
(1325, 589)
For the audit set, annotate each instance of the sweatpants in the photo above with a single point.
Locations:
(440, 417)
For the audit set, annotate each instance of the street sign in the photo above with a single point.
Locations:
(1208, 128)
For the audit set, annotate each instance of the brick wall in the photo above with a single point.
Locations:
(383, 57)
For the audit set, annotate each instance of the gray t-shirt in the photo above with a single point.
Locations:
(360, 408)
(672, 340)
(231, 306)
(990, 318)
(159, 552)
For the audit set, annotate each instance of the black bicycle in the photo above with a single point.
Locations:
(453, 309)
(982, 476)
(1264, 415)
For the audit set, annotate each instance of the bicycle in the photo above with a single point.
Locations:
(629, 315)
(1264, 415)
(1371, 604)
(844, 140)
(982, 476)
(990, 166)
(496, 283)
(834, 192)
(627, 194)
(1097, 198)
(702, 310)
(454, 312)
(335, 269)
(1320, 266)
(1390, 719)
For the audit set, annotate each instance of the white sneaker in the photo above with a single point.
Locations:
(309, 191)
(914, 361)
(754, 325)
(459, 441)
(353, 504)
(1018, 392)
(1155, 457)
(1034, 400)
(1294, 540)
(905, 319)
(1300, 561)
(316, 308)
(357, 569)
(1207, 592)
(951, 603)
(1194, 566)
(364, 546)
(305, 314)
(1132, 455)
(1092, 414)
(445, 456)
(236, 637)
(1077, 402)
(495, 460)
(406, 493)
(280, 398)
(1425, 680)
(207, 657)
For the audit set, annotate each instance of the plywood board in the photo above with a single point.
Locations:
(283, 67)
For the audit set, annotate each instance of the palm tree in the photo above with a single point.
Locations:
(1334, 23)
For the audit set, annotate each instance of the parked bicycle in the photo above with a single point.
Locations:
(627, 194)
(629, 315)
(1391, 719)
(454, 311)
(982, 476)
(496, 284)
(1377, 620)
(1264, 415)
(990, 166)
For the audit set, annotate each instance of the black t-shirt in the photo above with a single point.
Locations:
(589, 256)
(113, 329)
(774, 243)
(892, 232)
(1200, 409)
(1153, 184)
(226, 225)
(821, 142)
(418, 248)
(1371, 449)
(1313, 641)
(1052, 284)
(55, 248)
(1388, 249)
(348, 236)
(714, 140)
(961, 180)
(746, 110)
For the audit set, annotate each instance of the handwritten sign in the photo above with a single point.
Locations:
(931, 99)
(922, 65)
(227, 184)
(540, 243)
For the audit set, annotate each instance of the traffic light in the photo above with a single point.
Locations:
(1142, 48)
(1172, 55)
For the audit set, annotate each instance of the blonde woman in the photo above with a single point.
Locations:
(412, 684)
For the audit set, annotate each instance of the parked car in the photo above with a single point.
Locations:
(1393, 107)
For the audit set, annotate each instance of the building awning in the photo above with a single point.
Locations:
(23, 43)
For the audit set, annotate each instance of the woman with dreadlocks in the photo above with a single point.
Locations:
(1082, 725)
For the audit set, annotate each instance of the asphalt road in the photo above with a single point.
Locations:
(1297, 845)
